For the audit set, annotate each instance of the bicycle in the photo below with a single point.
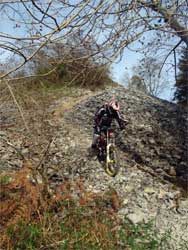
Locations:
(107, 152)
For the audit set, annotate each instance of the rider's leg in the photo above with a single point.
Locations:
(95, 138)
(96, 135)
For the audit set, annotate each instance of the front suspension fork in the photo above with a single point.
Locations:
(108, 152)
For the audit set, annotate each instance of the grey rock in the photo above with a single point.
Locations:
(3, 133)
(136, 217)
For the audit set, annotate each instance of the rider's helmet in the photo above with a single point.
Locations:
(114, 105)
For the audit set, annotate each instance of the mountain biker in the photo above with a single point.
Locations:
(103, 118)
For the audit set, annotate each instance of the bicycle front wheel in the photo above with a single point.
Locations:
(112, 161)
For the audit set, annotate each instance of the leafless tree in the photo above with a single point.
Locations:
(115, 24)
(147, 78)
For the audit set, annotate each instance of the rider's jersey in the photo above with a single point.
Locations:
(105, 115)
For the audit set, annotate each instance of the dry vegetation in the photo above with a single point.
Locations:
(33, 218)
(67, 217)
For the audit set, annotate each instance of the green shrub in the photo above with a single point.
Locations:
(5, 179)
(62, 65)
(25, 236)
(142, 236)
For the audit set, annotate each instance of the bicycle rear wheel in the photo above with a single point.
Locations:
(112, 162)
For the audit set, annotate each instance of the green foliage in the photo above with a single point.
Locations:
(142, 236)
(5, 179)
(91, 222)
(181, 93)
(81, 232)
(54, 65)
(83, 228)
(61, 70)
(77, 230)
(24, 235)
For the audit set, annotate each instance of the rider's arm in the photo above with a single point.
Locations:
(121, 121)
(98, 116)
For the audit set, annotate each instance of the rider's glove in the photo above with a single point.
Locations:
(123, 124)
(122, 127)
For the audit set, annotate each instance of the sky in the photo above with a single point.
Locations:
(119, 70)
(123, 69)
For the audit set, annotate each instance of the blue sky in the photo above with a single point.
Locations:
(124, 67)
(118, 70)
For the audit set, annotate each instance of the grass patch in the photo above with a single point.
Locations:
(83, 230)
(5, 179)
(33, 221)
(25, 236)
(142, 236)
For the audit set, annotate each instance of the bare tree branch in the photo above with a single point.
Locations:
(169, 17)
(17, 104)
(46, 14)
(12, 49)
(12, 1)
(172, 50)
(33, 16)
(62, 26)
(114, 24)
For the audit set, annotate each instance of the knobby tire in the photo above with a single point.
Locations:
(112, 166)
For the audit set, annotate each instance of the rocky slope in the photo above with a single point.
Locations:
(155, 137)
(152, 152)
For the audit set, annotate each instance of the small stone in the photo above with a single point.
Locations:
(125, 201)
(162, 194)
(25, 151)
(146, 196)
(151, 141)
(35, 180)
(123, 211)
(149, 190)
(136, 217)
(172, 171)
(129, 188)
(174, 195)
(39, 179)
(184, 204)
(50, 171)
(5, 156)
(159, 170)
(2, 133)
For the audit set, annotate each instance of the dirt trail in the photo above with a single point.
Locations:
(66, 104)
